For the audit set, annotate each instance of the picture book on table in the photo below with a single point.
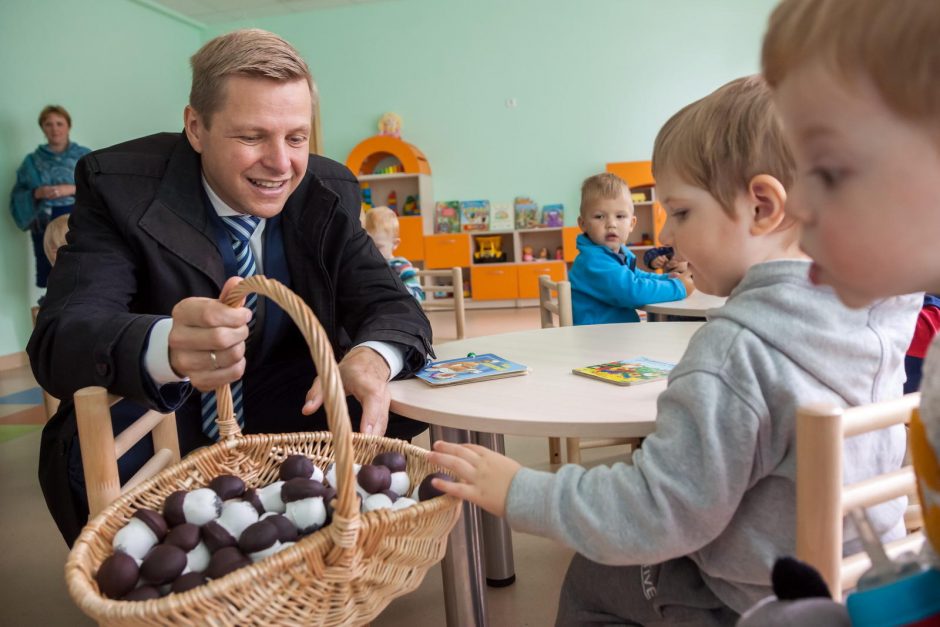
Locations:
(447, 217)
(469, 369)
(628, 371)
(474, 215)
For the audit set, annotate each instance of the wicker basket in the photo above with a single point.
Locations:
(344, 574)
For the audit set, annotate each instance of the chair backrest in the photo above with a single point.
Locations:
(101, 449)
(447, 282)
(822, 501)
(559, 306)
(49, 402)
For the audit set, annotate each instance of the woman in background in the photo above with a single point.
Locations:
(45, 183)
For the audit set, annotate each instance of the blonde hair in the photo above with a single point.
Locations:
(248, 52)
(719, 143)
(605, 185)
(381, 220)
(54, 110)
(54, 237)
(893, 43)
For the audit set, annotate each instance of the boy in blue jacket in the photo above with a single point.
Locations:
(606, 287)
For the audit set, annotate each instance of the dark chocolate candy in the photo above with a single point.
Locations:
(296, 466)
(258, 537)
(163, 564)
(391, 494)
(251, 496)
(374, 479)
(117, 575)
(143, 593)
(426, 490)
(224, 561)
(228, 486)
(286, 531)
(297, 489)
(188, 582)
(154, 520)
(393, 460)
(173, 508)
(216, 536)
(185, 536)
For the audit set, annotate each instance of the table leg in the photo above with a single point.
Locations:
(497, 538)
(462, 566)
(654, 317)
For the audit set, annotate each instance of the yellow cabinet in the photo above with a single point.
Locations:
(446, 250)
(496, 282)
(529, 274)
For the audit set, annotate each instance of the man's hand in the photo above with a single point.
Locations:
(686, 278)
(484, 475)
(365, 375)
(207, 340)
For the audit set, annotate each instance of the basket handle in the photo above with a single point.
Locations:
(334, 396)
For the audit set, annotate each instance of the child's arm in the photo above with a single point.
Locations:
(680, 493)
(657, 257)
(617, 285)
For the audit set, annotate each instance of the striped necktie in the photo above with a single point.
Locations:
(239, 229)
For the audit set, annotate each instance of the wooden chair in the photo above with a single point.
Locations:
(559, 306)
(50, 403)
(822, 501)
(101, 449)
(429, 283)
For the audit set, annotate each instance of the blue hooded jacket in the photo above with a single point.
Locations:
(607, 289)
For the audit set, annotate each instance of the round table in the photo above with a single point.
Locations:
(549, 401)
(695, 306)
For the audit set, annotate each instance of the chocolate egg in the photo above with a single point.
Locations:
(426, 490)
(251, 496)
(141, 533)
(393, 460)
(286, 531)
(374, 479)
(270, 497)
(296, 466)
(188, 581)
(163, 564)
(185, 536)
(236, 516)
(227, 487)
(260, 540)
(376, 501)
(297, 489)
(143, 593)
(225, 561)
(117, 575)
(216, 537)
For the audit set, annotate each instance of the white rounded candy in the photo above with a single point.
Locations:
(403, 502)
(400, 483)
(270, 497)
(197, 560)
(135, 538)
(200, 506)
(376, 501)
(237, 516)
(307, 514)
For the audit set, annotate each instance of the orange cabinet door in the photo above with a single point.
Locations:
(411, 246)
(494, 282)
(529, 276)
(569, 236)
(446, 250)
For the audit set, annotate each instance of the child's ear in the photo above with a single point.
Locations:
(581, 223)
(767, 198)
(396, 242)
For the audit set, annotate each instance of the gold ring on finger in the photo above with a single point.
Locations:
(215, 363)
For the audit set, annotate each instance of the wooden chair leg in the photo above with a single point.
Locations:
(165, 436)
(573, 446)
(554, 450)
(97, 445)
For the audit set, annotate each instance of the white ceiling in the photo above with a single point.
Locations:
(214, 11)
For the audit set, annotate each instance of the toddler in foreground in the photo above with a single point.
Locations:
(689, 531)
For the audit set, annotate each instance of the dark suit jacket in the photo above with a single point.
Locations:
(141, 239)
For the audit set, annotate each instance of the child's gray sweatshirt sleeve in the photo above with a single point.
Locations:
(679, 494)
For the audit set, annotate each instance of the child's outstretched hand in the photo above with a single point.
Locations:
(659, 262)
(676, 265)
(686, 278)
(484, 475)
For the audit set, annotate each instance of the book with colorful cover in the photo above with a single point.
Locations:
(470, 369)
(502, 217)
(475, 215)
(628, 371)
(447, 217)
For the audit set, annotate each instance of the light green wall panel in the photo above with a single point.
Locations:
(593, 81)
(120, 68)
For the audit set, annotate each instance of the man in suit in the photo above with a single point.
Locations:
(133, 303)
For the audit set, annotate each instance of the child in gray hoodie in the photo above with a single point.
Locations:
(689, 531)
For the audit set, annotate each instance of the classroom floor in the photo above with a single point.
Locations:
(33, 553)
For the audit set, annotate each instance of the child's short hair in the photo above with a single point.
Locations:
(54, 237)
(381, 220)
(893, 43)
(604, 185)
(719, 143)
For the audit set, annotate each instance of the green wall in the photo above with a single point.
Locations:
(593, 81)
(120, 68)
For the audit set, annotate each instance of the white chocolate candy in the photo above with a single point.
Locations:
(403, 502)
(400, 483)
(317, 474)
(377, 501)
(331, 474)
(260, 555)
(200, 506)
(237, 516)
(307, 514)
(135, 538)
(270, 497)
(197, 560)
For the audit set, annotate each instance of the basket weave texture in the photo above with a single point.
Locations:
(344, 574)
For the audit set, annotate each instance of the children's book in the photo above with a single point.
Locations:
(628, 371)
(447, 217)
(527, 213)
(469, 369)
(475, 215)
(553, 215)
(501, 217)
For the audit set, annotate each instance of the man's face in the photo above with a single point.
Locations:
(254, 154)
(866, 191)
(608, 221)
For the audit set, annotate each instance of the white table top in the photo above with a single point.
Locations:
(551, 400)
(695, 305)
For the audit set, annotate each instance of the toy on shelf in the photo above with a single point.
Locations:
(501, 217)
(474, 215)
(527, 253)
(447, 217)
(411, 206)
(489, 249)
(390, 124)
(389, 169)
(366, 197)
(646, 240)
(638, 197)
(392, 201)
(553, 215)
(559, 253)
(543, 253)
(527, 213)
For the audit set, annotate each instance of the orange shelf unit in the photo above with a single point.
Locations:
(497, 282)
(529, 274)
(635, 173)
(569, 236)
(369, 152)
(446, 250)
(411, 246)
